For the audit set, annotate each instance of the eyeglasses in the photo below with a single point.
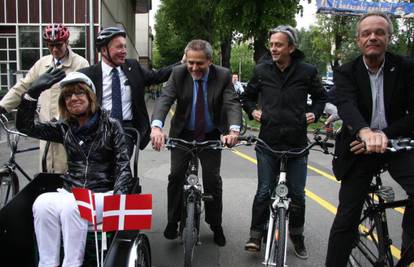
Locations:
(68, 95)
(57, 45)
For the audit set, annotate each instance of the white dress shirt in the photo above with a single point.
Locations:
(107, 91)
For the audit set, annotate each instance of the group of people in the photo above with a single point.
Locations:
(91, 106)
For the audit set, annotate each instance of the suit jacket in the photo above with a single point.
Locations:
(354, 101)
(138, 77)
(223, 103)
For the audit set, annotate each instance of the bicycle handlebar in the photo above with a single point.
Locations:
(181, 143)
(4, 121)
(295, 152)
(400, 144)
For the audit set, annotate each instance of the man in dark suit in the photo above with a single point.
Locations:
(198, 86)
(120, 84)
(375, 98)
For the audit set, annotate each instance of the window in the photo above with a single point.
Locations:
(29, 46)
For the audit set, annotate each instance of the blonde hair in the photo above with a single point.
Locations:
(70, 89)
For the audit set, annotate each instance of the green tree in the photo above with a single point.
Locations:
(242, 61)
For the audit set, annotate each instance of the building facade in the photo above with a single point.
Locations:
(22, 23)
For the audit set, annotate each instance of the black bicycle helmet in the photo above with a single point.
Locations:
(107, 35)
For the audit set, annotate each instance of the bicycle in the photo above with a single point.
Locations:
(276, 238)
(9, 180)
(192, 194)
(373, 245)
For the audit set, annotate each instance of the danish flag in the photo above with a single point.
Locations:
(86, 204)
(127, 212)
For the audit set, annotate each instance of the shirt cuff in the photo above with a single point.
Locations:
(28, 97)
(156, 123)
(235, 128)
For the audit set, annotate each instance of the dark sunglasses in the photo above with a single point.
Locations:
(57, 45)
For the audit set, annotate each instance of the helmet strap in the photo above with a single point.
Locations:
(108, 55)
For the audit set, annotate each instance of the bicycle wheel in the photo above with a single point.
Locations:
(370, 241)
(189, 234)
(278, 244)
(9, 186)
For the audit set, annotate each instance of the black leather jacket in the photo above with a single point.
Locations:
(98, 160)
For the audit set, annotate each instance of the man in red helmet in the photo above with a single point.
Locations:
(56, 38)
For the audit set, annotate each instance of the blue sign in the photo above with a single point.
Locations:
(353, 7)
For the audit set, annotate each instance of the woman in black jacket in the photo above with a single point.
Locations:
(97, 160)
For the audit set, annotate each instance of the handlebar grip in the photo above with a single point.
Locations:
(329, 144)
(248, 138)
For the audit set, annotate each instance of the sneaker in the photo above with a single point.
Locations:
(252, 245)
(299, 246)
(170, 231)
(219, 237)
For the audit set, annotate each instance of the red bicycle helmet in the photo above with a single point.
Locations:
(56, 33)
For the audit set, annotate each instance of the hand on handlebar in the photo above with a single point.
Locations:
(157, 138)
(375, 141)
(2, 110)
(45, 81)
(358, 147)
(231, 139)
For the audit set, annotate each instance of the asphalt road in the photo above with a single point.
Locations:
(239, 185)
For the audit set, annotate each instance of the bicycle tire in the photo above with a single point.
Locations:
(189, 235)
(9, 187)
(370, 242)
(143, 253)
(278, 244)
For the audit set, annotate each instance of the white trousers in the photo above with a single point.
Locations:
(56, 214)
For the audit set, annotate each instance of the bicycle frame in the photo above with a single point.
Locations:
(378, 199)
(13, 138)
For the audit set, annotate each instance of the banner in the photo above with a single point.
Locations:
(127, 212)
(353, 7)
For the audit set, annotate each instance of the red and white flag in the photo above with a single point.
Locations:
(127, 212)
(86, 203)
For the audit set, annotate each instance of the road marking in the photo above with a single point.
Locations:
(327, 205)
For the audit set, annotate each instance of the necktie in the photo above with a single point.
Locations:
(116, 96)
(199, 113)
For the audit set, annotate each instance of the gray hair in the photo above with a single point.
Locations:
(200, 45)
(289, 31)
(378, 14)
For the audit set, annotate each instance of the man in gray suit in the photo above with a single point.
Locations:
(200, 115)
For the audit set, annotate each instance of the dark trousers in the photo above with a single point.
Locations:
(212, 183)
(130, 136)
(352, 193)
(268, 169)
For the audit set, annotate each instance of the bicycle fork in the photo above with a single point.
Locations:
(280, 201)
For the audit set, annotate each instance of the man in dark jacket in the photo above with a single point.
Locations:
(97, 160)
(284, 84)
(120, 83)
(375, 99)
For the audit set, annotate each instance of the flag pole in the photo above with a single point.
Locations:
(94, 228)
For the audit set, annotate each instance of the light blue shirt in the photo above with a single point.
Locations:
(209, 125)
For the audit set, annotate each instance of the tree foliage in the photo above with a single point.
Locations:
(180, 21)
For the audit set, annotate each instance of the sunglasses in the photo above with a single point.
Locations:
(68, 94)
(57, 45)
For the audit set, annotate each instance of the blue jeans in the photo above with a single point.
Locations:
(268, 168)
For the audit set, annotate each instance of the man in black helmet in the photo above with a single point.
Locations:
(120, 83)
